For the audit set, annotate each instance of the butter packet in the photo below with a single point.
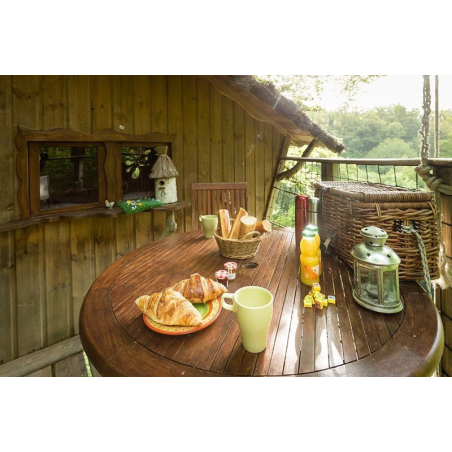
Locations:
(316, 287)
(308, 301)
(331, 299)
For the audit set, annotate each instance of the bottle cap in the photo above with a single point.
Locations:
(308, 234)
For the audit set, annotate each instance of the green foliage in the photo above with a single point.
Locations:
(139, 205)
(308, 88)
(393, 148)
(136, 159)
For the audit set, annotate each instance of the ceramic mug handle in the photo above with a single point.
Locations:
(200, 218)
(229, 307)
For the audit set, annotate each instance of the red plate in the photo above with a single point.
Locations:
(209, 312)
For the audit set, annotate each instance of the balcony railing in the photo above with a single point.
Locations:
(394, 172)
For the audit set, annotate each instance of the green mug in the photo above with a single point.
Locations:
(253, 307)
(209, 224)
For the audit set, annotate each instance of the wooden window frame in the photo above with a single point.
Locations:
(109, 145)
(34, 173)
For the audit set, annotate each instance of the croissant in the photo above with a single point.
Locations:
(169, 308)
(198, 289)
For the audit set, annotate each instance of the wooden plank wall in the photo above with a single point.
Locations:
(446, 295)
(46, 269)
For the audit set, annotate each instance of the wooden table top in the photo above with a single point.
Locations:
(341, 340)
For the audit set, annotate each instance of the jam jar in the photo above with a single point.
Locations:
(222, 277)
(231, 268)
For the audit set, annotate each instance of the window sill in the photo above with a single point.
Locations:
(100, 212)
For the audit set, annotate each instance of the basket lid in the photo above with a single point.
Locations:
(367, 192)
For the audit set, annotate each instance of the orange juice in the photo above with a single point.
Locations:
(315, 229)
(309, 259)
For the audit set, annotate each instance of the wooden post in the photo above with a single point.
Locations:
(330, 171)
(283, 153)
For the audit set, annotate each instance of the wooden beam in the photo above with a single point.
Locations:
(253, 110)
(284, 149)
(392, 162)
(42, 358)
(297, 167)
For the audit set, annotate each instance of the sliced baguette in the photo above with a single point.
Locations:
(235, 230)
(248, 224)
(263, 226)
(224, 222)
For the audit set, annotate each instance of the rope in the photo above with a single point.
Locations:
(436, 116)
(434, 183)
(410, 230)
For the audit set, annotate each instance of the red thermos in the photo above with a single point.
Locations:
(301, 203)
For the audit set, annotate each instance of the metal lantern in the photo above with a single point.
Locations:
(376, 273)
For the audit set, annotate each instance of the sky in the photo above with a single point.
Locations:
(390, 90)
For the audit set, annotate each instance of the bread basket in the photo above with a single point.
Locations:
(240, 248)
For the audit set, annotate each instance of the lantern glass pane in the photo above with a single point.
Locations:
(368, 283)
(390, 286)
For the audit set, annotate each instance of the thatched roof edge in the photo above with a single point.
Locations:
(163, 168)
(268, 94)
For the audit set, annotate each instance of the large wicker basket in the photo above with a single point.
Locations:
(347, 207)
(240, 248)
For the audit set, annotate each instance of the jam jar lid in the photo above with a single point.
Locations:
(231, 265)
(221, 274)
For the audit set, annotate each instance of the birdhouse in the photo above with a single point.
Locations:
(164, 172)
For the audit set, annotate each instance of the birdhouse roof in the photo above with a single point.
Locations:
(163, 168)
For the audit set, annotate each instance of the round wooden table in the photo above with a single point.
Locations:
(341, 340)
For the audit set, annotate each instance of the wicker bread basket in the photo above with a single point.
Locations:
(349, 206)
(240, 248)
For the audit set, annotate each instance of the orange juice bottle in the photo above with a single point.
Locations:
(309, 259)
(315, 229)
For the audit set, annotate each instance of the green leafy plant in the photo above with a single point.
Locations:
(139, 205)
(135, 160)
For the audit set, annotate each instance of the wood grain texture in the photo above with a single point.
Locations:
(203, 124)
(41, 359)
(8, 300)
(72, 366)
(79, 103)
(7, 160)
(58, 299)
(300, 341)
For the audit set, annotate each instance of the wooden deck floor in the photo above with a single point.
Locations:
(74, 366)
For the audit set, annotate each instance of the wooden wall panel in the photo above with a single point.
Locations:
(250, 162)
(190, 134)
(142, 104)
(175, 125)
(82, 263)
(159, 111)
(58, 302)
(239, 143)
(216, 135)
(79, 99)
(6, 149)
(123, 105)
(104, 244)
(260, 168)
(143, 224)
(228, 140)
(31, 291)
(102, 102)
(215, 140)
(203, 129)
(55, 101)
(28, 111)
(8, 324)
